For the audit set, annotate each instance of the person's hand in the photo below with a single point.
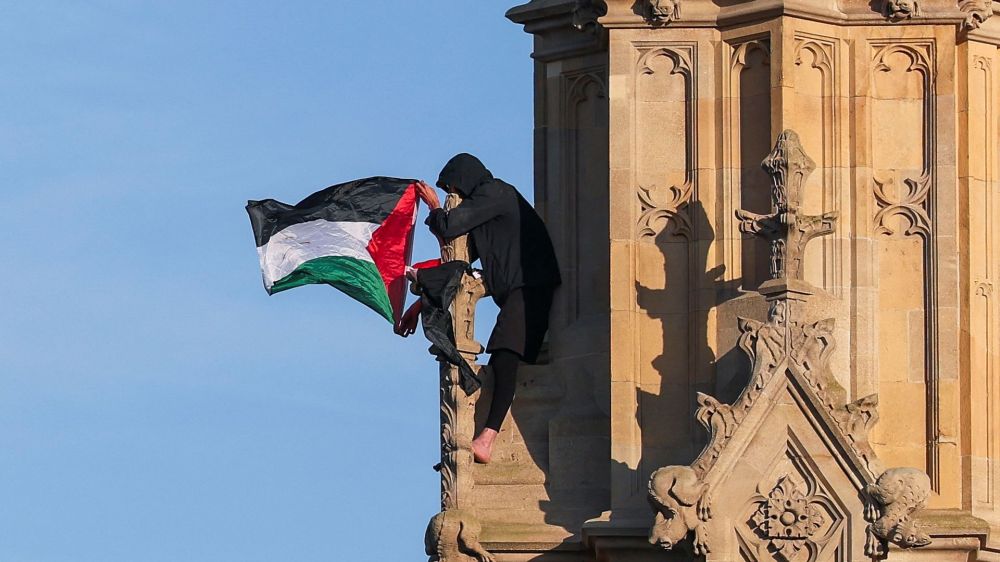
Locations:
(428, 195)
(408, 322)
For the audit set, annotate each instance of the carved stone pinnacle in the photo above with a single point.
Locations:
(789, 167)
(785, 228)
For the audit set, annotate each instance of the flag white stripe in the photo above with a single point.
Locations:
(292, 246)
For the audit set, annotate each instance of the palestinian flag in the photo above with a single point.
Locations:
(354, 236)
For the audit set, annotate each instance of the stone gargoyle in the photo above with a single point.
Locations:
(453, 535)
(663, 11)
(892, 500)
(898, 10)
(680, 500)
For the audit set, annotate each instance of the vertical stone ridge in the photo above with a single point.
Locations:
(453, 534)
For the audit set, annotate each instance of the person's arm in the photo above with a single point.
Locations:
(469, 214)
(427, 194)
(408, 322)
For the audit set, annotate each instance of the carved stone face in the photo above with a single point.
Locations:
(659, 535)
(901, 9)
(907, 535)
(663, 9)
(667, 530)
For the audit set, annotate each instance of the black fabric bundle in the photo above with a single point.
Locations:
(438, 287)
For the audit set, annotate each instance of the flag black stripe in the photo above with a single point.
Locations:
(365, 200)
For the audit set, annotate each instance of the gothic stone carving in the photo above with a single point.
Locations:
(899, 10)
(680, 500)
(856, 420)
(977, 12)
(716, 417)
(787, 231)
(453, 536)
(910, 204)
(786, 352)
(720, 420)
(672, 206)
(782, 340)
(860, 416)
(787, 519)
(892, 500)
(662, 11)
(768, 344)
(673, 211)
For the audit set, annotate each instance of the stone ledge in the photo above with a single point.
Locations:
(952, 522)
(509, 474)
(519, 537)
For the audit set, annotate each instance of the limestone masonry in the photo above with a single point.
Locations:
(777, 337)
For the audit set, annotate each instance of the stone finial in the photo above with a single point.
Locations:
(789, 167)
(785, 228)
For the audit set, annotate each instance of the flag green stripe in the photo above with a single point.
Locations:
(359, 279)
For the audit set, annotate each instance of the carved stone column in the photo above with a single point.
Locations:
(453, 534)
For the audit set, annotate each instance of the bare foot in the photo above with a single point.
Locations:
(482, 446)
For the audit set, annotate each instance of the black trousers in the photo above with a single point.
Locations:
(522, 322)
(517, 336)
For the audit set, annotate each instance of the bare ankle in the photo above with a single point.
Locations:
(482, 445)
(487, 436)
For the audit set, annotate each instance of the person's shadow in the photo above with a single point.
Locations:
(687, 308)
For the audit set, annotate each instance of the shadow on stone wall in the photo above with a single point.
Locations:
(687, 363)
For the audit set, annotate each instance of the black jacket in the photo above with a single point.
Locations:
(506, 233)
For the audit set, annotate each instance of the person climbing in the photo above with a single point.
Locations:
(519, 269)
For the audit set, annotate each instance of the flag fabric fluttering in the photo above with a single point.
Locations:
(355, 236)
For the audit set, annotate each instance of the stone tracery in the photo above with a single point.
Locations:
(787, 519)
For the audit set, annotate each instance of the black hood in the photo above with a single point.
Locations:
(464, 173)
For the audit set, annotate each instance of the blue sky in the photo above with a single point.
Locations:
(155, 403)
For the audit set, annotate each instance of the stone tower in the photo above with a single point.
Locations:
(794, 363)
